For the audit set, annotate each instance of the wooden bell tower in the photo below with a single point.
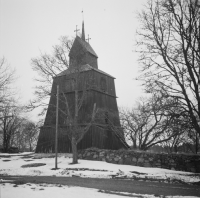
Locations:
(99, 89)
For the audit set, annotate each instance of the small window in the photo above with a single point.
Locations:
(73, 84)
(67, 85)
(103, 85)
(91, 83)
(70, 84)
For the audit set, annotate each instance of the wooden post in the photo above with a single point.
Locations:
(74, 143)
(56, 135)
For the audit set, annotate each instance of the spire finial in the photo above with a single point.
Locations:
(76, 30)
(83, 30)
(82, 15)
(88, 38)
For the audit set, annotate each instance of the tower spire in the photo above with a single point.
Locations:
(83, 30)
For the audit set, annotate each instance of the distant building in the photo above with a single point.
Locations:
(99, 88)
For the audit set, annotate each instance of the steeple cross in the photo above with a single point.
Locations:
(76, 30)
(88, 39)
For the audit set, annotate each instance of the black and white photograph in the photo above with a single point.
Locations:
(100, 98)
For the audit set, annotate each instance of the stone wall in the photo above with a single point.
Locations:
(182, 162)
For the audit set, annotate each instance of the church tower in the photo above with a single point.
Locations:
(99, 89)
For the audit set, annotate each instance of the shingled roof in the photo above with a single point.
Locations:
(83, 68)
(86, 46)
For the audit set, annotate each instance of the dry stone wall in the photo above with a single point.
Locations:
(182, 162)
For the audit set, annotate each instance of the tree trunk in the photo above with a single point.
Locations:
(74, 143)
(6, 142)
(5, 147)
(175, 148)
(74, 151)
(197, 143)
(134, 142)
(30, 148)
(134, 145)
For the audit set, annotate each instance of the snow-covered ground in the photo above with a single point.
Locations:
(44, 190)
(13, 165)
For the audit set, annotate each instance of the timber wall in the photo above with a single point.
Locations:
(99, 92)
(181, 162)
(95, 137)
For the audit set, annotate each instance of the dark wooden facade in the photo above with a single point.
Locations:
(98, 87)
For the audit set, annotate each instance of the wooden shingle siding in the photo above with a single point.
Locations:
(99, 89)
(96, 137)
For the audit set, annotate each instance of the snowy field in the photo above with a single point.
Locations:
(51, 191)
(26, 164)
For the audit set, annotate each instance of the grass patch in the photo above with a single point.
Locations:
(26, 157)
(55, 168)
(120, 193)
(85, 169)
(196, 183)
(135, 172)
(37, 157)
(19, 182)
(50, 156)
(33, 165)
(5, 156)
(28, 160)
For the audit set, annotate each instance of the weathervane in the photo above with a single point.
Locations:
(82, 15)
(76, 30)
(88, 38)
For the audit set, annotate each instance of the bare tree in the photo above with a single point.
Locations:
(76, 129)
(9, 109)
(193, 141)
(175, 142)
(47, 67)
(18, 131)
(6, 79)
(26, 136)
(31, 131)
(10, 124)
(185, 135)
(169, 47)
(148, 123)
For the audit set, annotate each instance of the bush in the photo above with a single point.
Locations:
(13, 150)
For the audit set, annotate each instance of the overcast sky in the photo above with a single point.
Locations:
(29, 27)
